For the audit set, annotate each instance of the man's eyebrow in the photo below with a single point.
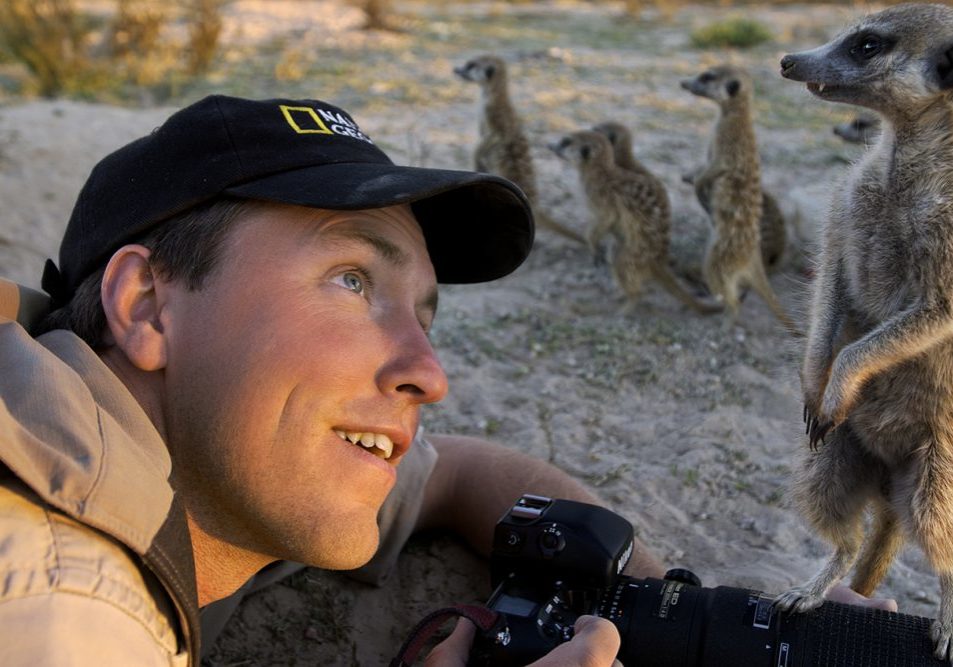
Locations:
(381, 244)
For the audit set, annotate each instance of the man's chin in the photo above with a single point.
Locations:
(349, 550)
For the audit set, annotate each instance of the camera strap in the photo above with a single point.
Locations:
(485, 620)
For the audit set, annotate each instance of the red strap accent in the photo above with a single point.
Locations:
(482, 617)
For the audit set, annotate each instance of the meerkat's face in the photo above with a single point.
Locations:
(482, 70)
(859, 130)
(898, 58)
(581, 148)
(721, 84)
(614, 132)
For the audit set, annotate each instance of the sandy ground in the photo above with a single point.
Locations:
(685, 425)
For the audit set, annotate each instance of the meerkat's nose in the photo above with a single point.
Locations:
(788, 63)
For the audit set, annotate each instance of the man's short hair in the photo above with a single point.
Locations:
(187, 248)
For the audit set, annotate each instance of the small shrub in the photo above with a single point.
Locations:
(205, 27)
(77, 53)
(50, 38)
(738, 32)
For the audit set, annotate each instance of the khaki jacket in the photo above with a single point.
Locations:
(95, 561)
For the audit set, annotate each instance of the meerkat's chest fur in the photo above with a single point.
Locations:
(503, 148)
(894, 218)
(735, 170)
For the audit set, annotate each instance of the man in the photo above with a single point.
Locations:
(231, 375)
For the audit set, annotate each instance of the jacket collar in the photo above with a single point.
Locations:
(72, 432)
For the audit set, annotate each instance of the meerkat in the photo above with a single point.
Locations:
(861, 129)
(503, 148)
(877, 374)
(772, 226)
(732, 182)
(633, 208)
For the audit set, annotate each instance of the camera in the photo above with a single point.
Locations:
(555, 560)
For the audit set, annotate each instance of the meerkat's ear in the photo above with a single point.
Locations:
(490, 71)
(944, 67)
(733, 87)
(585, 152)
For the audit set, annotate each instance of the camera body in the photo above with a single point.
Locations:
(555, 560)
(551, 562)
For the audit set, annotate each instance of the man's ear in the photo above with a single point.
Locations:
(132, 306)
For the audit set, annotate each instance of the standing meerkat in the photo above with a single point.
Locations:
(772, 227)
(634, 209)
(877, 374)
(503, 148)
(732, 181)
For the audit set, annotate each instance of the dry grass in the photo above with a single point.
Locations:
(68, 49)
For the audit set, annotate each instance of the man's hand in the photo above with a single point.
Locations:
(595, 644)
(841, 593)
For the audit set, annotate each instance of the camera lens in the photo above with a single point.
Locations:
(673, 624)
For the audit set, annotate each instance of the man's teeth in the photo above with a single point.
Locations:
(821, 87)
(378, 443)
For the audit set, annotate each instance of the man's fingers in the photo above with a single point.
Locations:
(841, 593)
(455, 649)
(595, 644)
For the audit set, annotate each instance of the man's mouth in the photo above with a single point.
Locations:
(377, 444)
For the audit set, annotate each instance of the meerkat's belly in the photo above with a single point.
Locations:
(906, 406)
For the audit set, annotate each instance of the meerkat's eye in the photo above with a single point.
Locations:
(707, 77)
(867, 47)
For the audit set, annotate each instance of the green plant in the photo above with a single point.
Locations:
(738, 32)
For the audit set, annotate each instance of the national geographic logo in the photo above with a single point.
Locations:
(308, 120)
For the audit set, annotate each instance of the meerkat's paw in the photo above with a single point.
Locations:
(942, 636)
(816, 428)
(798, 600)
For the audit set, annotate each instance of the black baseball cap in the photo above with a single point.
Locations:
(477, 227)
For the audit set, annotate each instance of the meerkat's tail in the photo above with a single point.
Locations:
(664, 275)
(758, 279)
(546, 222)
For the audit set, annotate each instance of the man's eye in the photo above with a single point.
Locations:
(353, 281)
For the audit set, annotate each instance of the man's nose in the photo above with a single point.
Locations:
(414, 371)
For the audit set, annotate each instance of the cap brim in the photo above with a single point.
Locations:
(478, 227)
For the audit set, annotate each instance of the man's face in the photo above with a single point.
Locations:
(313, 327)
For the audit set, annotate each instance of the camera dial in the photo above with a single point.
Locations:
(551, 541)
